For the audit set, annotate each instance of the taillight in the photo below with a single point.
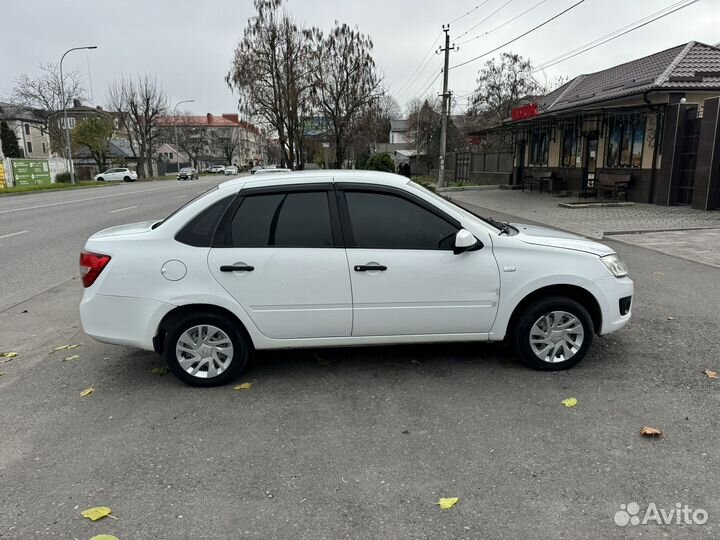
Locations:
(91, 265)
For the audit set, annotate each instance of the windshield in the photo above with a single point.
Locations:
(156, 225)
(457, 207)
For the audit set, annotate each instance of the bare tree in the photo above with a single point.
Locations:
(139, 103)
(42, 91)
(270, 72)
(504, 84)
(346, 82)
(229, 140)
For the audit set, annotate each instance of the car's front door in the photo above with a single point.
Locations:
(406, 280)
(278, 252)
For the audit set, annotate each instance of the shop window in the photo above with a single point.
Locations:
(570, 148)
(625, 142)
(539, 146)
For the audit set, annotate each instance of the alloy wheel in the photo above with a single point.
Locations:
(556, 336)
(204, 351)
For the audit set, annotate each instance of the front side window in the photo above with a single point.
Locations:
(625, 142)
(291, 220)
(385, 221)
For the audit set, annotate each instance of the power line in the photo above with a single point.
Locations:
(456, 19)
(410, 80)
(466, 32)
(520, 36)
(614, 35)
(423, 92)
(516, 17)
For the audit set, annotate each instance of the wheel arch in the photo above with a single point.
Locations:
(574, 292)
(179, 312)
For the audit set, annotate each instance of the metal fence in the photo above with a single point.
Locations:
(485, 162)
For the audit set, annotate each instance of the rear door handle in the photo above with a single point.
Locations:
(370, 267)
(237, 268)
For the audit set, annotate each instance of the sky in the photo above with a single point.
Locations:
(189, 45)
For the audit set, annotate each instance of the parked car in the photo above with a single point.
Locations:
(273, 170)
(335, 258)
(231, 170)
(187, 173)
(255, 169)
(215, 169)
(117, 174)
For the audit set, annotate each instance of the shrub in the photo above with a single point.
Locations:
(63, 178)
(380, 162)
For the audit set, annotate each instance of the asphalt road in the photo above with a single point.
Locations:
(41, 234)
(361, 443)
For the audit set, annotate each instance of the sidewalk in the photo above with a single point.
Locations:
(674, 230)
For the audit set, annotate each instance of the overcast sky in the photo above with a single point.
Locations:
(189, 44)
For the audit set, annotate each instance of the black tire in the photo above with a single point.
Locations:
(100, 179)
(240, 342)
(520, 333)
(127, 179)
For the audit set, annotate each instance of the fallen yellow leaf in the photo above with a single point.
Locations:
(72, 347)
(96, 512)
(71, 357)
(243, 386)
(104, 537)
(61, 348)
(447, 502)
(159, 370)
(570, 402)
(87, 392)
(711, 374)
(9, 354)
(415, 361)
(650, 432)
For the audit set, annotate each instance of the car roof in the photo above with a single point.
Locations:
(311, 177)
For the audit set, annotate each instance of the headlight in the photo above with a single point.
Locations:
(615, 264)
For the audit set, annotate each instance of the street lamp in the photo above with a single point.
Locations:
(64, 104)
(177, 146)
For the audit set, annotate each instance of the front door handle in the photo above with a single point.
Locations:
(237, 268)
(370, 267)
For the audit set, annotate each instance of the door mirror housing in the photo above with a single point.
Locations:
(466, 241)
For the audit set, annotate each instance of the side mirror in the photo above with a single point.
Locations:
(466, 241)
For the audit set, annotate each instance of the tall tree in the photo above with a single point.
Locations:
(139, 103)
(229, 140)
(9, 142)
(42, 91)
(423, 122)
(503, 84)
(94, 133)
(270, 72)
(346, 82)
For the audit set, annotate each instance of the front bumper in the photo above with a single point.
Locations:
(609, 292)
(122, 320)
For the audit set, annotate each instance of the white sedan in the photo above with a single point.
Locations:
(117, 174)
(338, 258)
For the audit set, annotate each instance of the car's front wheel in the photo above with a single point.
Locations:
(100, 179)
(552, 333)
(206, 349)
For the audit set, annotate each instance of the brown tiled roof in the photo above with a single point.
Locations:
(690, 66)
(208, 120)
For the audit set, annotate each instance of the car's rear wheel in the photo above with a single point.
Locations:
(206, 349)
(127, 179)
(552, 333)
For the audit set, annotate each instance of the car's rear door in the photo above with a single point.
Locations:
(406, 280)
(279, 253)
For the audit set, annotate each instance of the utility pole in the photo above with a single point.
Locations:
(443, 131)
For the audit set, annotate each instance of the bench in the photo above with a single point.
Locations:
(540, 181)
(616, 184)
(552, 182)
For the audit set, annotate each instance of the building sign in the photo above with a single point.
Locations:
(524, 112)
(2, 177)
(31, 172)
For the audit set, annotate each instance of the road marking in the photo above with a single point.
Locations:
(12, 234)
(124, 194)
(122, 209)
